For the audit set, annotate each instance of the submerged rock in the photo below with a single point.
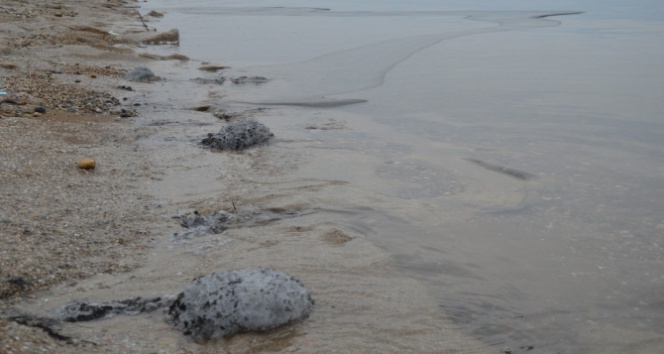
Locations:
(216, 305)
(198, 225)
(238, 136)
(141, 73)
(249, 80)
(224, 303)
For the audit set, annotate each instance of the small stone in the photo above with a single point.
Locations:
(36, 114)
(155, 14)
(202, 108)
(87, 164)
(40, 109)
(141, 73)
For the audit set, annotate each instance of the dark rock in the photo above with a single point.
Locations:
(198, 225)
(249, 80)
(224, 303)
(40, 109)
(155, 14)
(77, 311)
(201, 108)
(238, 136)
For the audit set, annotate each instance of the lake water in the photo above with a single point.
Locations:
(510, 159)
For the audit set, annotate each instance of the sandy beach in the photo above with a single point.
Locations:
(106, 234)
(478, 178)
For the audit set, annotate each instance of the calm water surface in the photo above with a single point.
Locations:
(514, 163)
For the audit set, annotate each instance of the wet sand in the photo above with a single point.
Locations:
(114, 226)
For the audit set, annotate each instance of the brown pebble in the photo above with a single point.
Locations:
(87, 164)
(202, 108)
(36, 114)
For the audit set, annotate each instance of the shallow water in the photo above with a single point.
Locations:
(512, 164)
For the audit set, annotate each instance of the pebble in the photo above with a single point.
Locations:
(40, 109)
(87, 164)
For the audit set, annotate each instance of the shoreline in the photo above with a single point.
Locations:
(137, 188)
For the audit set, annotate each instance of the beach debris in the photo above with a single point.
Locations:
(141, 73)
(170, 37)
(179, 57)
(155, 14)
(199, 225)
(507, 171)
(224, 303)
(216, 305)
(77, 311)
(203, 81)
(203, 108)
(48, 325)
(87, 164)
(336, 237)
(212, 68)
(238, 136)
(225, 115)
(248, 80)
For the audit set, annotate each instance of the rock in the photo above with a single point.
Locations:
(87, 164)
(198, 225)
(224, 303)
(141, 73)
(238, 136)
(204, 108)
(40, 109)
(216, 305)
(155, 14)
